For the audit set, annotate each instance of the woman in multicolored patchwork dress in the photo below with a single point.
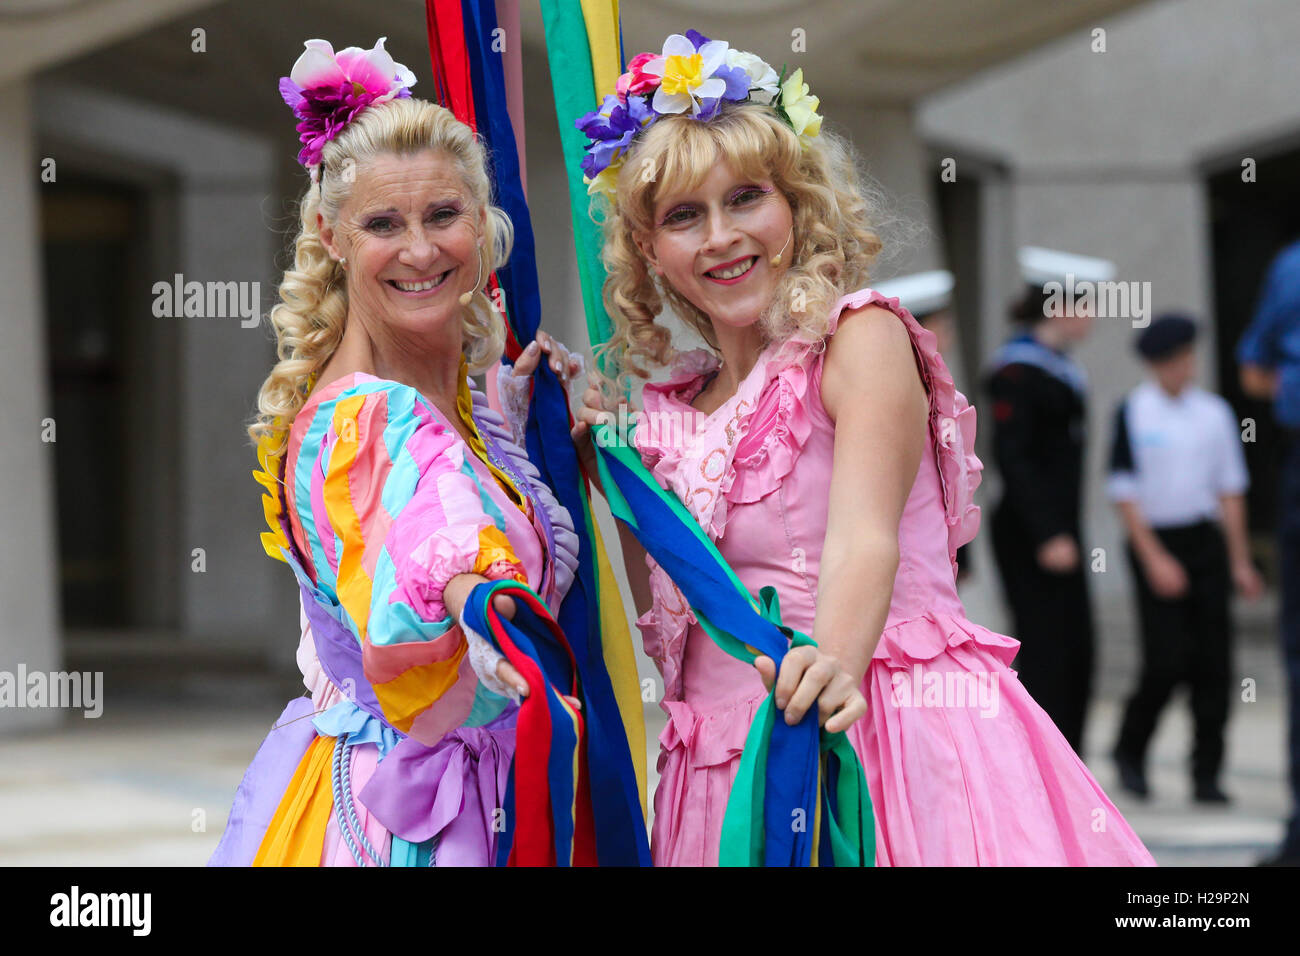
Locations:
(392, 490)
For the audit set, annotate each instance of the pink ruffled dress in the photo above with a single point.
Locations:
(963, 767)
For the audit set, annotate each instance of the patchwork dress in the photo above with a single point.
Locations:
(399, 756)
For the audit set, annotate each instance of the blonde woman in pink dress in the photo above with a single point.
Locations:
(821, 444)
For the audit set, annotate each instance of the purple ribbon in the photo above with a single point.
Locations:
(264, 784)
(454, 790)
(339, 655)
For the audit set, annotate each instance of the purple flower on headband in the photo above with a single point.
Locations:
(326, 90)
(611, 129)
(697, 38)
(737, 81)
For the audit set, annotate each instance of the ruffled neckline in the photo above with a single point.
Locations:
(759, 421)
(758, 433)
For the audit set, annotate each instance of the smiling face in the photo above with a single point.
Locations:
(410, 232)
(714, 244)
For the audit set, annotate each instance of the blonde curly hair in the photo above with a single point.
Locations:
(312, 313)
(833, 208)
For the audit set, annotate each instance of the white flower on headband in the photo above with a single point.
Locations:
(764, 84)
(374, 70)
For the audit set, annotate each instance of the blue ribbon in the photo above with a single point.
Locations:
(620, 827)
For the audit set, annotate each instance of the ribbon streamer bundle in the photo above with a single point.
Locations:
(469, 54)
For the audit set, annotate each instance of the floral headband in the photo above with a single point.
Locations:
(326, 91)
(692, 73)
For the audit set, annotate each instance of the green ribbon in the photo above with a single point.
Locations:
(574, 86)
(849, 821)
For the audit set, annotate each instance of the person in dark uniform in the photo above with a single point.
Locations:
(1177, 470)
(1039, 405)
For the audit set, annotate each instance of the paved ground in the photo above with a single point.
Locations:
(150, 782)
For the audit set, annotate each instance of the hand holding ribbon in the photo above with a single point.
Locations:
(800, 797)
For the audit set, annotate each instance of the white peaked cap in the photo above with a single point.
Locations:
(921, 293)
(1039, 265)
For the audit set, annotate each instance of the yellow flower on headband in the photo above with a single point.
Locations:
(682, 73)
(604, 181)
(800, 107)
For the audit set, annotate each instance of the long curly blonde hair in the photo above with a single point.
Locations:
(310, 318)
(833, 208)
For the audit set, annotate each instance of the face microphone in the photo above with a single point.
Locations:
(776, 259)
(467, 297)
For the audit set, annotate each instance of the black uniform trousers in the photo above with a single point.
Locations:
(1053, 622)
(1185, 640)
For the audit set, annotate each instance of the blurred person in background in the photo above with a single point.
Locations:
(1269, 355)
(1040, 411)
(1178, 478)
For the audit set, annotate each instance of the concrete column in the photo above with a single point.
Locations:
(28, 575)
(223, 238)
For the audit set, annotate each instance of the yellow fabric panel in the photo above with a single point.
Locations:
(494, 546)
(465, 408)
(577, 763)
(268, 476)
(620, 661)
(354, 584)
(601, 17)
(414, 691)
(296, 834)
(817, 810)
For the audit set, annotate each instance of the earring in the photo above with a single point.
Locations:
(343, 261)
(467, 297)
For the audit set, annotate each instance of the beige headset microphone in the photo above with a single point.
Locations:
(467, 297)
(776, 259)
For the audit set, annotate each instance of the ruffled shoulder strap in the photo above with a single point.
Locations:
(952, 419)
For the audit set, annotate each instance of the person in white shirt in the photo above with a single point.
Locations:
(1178, 478)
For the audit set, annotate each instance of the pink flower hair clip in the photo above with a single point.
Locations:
(326, 91)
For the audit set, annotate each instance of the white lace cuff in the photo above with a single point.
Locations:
(484, 658)
(514, 391)
(581, 374)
